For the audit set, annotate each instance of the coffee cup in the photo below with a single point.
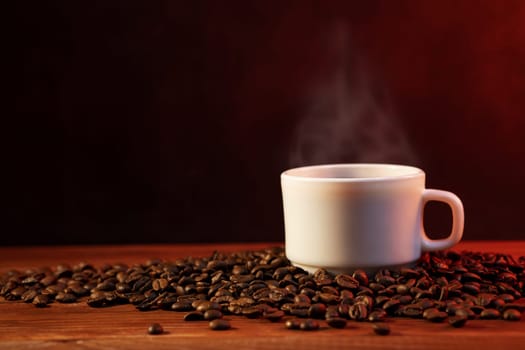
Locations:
(342, 217)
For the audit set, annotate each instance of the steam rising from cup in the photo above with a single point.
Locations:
(350, 119)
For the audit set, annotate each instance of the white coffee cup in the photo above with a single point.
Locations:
(341, 217)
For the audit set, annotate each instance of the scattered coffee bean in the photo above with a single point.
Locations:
(381, 329)
(155, 328)
(263, 284)
(336, 322)
(309, 325)
(293, 323)
(219, 324)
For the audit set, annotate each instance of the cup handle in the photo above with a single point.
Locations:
(458, 220)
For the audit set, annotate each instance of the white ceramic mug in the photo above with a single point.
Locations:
(347, 216)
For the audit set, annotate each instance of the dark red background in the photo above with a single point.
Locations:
(170, 121)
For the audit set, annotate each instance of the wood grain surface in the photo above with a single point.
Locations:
(77, 326)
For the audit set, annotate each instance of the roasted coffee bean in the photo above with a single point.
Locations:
(408, 273)
(385, 280)
(309, 325)
(65, 297)
(16, 293)
(155, 328)
(423, 295)
(205, 305)
(484, 299)
(381, 329)
(77, 290)
(497, 303)
(97, 300)
(330, 290)
(477, 309)
(333, 311)
(405, 299)
(429, 311)
(377, 316)
(366, 300)
(41, 300)
(519, 307)
(457, 321)
(490, 314)
(402, 289)
(507, 298)
(376, 287)
(436, 316)
(298, 312)
(252, 312)
(336, 322)
(217, 265)
(464, 312)
(194, 316)
(328, 298)
(317, 310)
(212, 314)
(160, 284)
(219, 324)
(307, 291)
(302, 298)
(293, 324)
(264, 284)
(414, 312)
(361, 277)
(381, 300)
(471, 288)
(29, 295)
(346, 281)
(181, 306)
(274, 316)
(358, 312)
(391, 306)
(347, 296)
(362, 290)
(469, 276)
(343, 309)
(512, 315)
(32, 280)
(423, 283)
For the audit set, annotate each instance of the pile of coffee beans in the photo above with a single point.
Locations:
(442, 286)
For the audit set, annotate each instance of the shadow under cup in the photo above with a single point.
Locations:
(342, 217)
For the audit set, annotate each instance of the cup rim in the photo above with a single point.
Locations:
(412, 172)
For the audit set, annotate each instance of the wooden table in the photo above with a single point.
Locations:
(77, 326)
